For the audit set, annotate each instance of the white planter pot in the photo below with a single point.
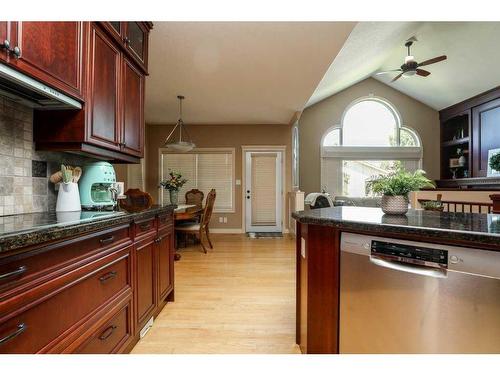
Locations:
(68, 198)
(394, 204)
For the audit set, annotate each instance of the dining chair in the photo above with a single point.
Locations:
(194, 196)
(200, 228)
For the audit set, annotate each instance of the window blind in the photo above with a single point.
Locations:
(204, 171)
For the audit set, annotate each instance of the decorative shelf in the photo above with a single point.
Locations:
(456, 142)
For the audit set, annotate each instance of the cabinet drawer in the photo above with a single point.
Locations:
(165, 221)
(145, 227)
(110, 336)
(38, 265)
(34, 329)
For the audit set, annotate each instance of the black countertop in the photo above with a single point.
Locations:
(18, 231)
(464, 227)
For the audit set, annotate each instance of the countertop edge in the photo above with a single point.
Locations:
(38, 236)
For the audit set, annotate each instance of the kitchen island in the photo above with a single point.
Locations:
(83, 282)
(321, 278)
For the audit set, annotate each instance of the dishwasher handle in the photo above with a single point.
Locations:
(406, 267)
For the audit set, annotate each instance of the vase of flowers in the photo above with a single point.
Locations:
(395, 188)
(173, 184)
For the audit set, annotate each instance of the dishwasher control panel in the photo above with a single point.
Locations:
(410, 253)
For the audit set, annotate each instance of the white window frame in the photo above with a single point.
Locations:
(342, 152)
(213, 150)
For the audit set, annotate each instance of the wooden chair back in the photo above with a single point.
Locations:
(195, 196)
(209, 207)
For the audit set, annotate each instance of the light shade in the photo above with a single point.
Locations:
(181, 146)
(409, 73)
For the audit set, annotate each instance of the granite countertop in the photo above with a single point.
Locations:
(23, 230)
(467, 227)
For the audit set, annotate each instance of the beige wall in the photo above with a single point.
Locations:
(220, 136)
(318, 118)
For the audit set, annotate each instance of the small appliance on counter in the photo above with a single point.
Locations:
(98, 186)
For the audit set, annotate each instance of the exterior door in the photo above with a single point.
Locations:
(263, 191)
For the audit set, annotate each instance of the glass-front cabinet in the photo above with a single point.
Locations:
(134, 38)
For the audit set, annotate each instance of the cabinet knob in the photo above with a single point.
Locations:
(16, 51)
(126, 41)
(5, 44)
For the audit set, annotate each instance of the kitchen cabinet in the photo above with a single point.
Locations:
(133, 36)
(51, 52)
(104, 91)
(132, 135)
(165, 250)
(145, 254)
(89, 293)
(111, 123)
(485, 134)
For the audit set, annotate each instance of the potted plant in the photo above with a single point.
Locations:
(173, 184)
(495, 162)
(395, 188)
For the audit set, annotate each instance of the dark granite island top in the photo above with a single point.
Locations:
(17, 231)
(482, 230)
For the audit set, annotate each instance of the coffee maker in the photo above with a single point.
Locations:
(98, 186)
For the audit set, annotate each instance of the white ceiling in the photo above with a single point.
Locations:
(471, 67)
(238, 72)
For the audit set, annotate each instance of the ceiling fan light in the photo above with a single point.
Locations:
(409, 59)
(409, 73)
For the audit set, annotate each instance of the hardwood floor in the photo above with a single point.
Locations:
(238, 298)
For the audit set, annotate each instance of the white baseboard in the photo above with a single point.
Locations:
(227, 230)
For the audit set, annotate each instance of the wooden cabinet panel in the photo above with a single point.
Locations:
(51, 52)
(133, 109)
(110, 336)
(485, 134)
(145, 227)
(4, 35)
(145, 286)
(54, 313)
(165, 264)
(104, 89)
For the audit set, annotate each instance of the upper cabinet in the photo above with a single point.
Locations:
(134, 38)
(4, 40)
(111, 123)
(486, 134)
(51, 52)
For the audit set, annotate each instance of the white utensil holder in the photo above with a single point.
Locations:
(68, 197)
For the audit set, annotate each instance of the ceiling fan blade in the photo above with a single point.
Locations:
(423, 73)
(397, 77)
(388, 71)
(432, 61)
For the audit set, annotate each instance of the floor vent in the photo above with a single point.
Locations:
(146, 328)
(265, 234)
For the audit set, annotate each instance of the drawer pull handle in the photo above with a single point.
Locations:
(107, 276)
(145, 226)
(159, 239)
(20, 329)
(17, 272)
(107, 332)
(107, 240)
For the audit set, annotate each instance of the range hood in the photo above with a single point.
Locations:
(32, 93)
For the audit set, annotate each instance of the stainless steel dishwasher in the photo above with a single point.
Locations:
(401, 296)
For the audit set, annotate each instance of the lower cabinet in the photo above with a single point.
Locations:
(88, 297)
(145, 284)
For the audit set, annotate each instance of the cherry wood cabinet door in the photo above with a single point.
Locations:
(165, 265)
(51, 52)
(145, 280)
(104, 91)
(133, 109)
(4, 35)
(485, 130)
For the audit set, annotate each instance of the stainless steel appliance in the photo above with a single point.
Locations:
(401, 296)
(32, 93)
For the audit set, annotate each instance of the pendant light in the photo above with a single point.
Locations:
(180, 145)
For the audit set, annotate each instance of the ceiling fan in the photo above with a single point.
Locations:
(412, 67)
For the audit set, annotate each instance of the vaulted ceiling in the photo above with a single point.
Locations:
(238, 72)
(471, 67)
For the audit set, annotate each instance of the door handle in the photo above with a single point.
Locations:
(17, 272)
(107, 276)
(439, 273)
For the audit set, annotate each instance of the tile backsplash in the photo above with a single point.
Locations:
(24, 172)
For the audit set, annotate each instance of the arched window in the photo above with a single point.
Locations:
(371, 140)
